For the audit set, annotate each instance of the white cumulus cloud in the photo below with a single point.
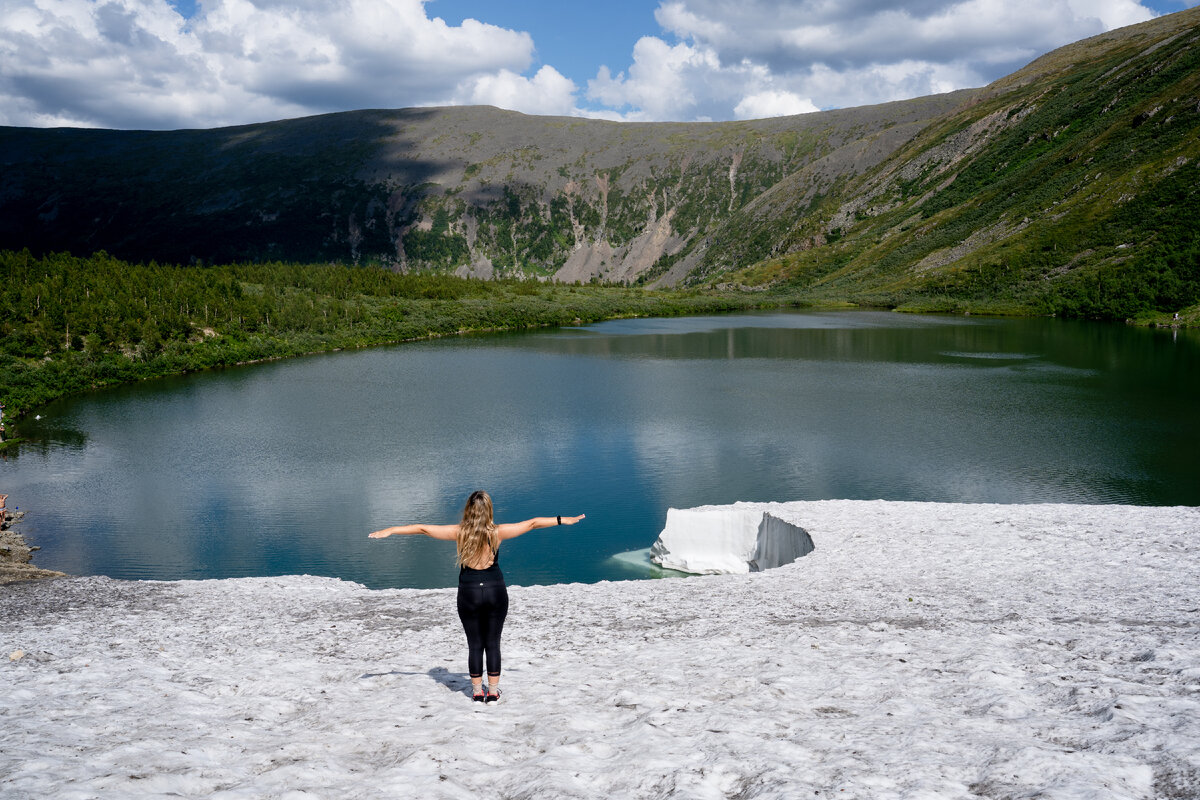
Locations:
(762, 57)
(662, 81)
(138, 63)
(772, 103)
(547, 92)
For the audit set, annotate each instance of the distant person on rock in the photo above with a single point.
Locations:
(482, 595)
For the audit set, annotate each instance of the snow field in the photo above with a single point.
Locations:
(920, 651)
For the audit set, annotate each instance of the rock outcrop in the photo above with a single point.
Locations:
(16, 555)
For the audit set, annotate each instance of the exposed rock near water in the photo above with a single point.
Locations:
(16, 556)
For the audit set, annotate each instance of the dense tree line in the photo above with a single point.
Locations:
(69, 323)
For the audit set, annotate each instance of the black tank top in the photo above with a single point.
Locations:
(468, 576)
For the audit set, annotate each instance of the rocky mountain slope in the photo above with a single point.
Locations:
(1049, 175)
(478, 190)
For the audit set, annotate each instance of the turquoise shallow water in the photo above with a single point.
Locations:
(284, 467)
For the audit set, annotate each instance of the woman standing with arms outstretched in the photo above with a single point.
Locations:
(482, 595)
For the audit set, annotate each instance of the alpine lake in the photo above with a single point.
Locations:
(284, 467)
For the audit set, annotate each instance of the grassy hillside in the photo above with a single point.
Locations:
(1070, 188)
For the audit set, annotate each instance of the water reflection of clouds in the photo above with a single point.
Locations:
(909, 340)
(792, 442)
(992, 356)
(775, 320)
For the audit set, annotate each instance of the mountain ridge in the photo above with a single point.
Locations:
(476, 189)
(939, 201)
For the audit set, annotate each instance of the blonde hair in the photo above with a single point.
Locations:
(476, 532)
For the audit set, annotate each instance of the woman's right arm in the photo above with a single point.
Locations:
(449, 532)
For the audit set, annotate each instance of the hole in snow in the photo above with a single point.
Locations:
(779, 542)
(713, 540)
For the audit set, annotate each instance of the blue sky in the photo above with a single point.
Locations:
(181, 63)
(574, 37)
(577, 38)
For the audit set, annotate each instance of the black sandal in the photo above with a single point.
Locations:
(479, 697)
(493, 698)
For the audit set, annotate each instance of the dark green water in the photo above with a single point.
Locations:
(285, 467)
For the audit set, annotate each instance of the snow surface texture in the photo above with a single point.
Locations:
(720, 540)
(922, 650)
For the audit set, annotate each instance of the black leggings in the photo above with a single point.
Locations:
(482, 609)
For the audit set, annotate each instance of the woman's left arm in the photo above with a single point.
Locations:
(512, 530)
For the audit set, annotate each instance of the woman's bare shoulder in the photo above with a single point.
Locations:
(449, 532)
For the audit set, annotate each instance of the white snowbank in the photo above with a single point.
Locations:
(922, 650)
(743, 537)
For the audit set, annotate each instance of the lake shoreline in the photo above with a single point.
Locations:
(796, 404)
